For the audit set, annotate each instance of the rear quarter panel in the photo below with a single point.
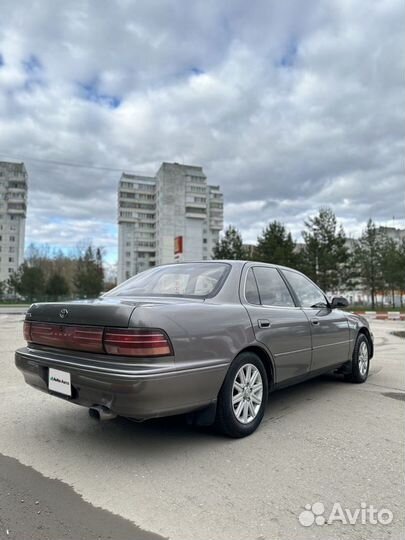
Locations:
(201, 334)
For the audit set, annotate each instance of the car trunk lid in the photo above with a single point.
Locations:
(107, 311)
(100, 312)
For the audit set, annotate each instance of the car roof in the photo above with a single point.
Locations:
(236, 262)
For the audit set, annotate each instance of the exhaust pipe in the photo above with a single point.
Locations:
(100, 412)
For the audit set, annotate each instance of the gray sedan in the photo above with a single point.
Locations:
(209, 338)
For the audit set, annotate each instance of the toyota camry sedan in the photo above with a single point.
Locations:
(210, 338)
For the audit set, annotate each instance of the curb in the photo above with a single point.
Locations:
(382, 316)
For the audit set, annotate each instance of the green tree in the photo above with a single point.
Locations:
(2, 289)
(325, 257)
(28, 282)
(368, 259)
(391, 266)
(230, 246)
(402, 272)
(276, 245)
(89, 275)
(57, 287)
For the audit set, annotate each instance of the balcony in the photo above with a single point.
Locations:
(16, 208)
(216, 224)
(15, 197)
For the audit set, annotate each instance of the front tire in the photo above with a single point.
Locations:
(360, 360)
(243, 397)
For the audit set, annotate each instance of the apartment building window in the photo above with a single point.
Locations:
(197, 179)
(192, 210)
(12, 238)
(198, 189)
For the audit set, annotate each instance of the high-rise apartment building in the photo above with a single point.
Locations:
(13, 207)
(174, 216)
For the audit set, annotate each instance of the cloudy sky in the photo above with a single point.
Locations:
(288, 105)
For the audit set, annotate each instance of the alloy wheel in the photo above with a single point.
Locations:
(247, 393)
(363, 358)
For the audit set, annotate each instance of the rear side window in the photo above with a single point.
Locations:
(272, 289)
(251, 292)
(308, 294)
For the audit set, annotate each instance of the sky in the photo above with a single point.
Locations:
(287, 105)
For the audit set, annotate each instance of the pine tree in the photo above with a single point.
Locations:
(276, 245)
(368, 250)
(392, 272)
(57, 287)
(28, 282)
(230, 246)
(89, 276)
(325, 256)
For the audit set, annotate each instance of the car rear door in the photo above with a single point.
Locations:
(329, 327)
(277, 322)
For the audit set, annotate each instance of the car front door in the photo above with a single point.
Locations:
(277, 322)
(329, 327)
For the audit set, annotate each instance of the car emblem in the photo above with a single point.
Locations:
(63, 313)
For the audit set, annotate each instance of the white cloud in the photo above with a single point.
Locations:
(288, 109)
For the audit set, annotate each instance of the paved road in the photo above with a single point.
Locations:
(322, 441)
(13, 310)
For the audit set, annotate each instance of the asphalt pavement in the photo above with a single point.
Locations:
(63, 475)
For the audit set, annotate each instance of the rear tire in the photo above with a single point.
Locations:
(360, 361)
(243, 397)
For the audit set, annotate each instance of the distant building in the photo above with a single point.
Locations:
(13, 207)
(173, 216)
(249, 250)
(398, 235)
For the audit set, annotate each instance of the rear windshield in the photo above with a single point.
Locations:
(200, 280)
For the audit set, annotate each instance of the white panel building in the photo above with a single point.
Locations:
(154, 211)
(13, 208)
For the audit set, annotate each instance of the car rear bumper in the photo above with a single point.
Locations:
(136, 391)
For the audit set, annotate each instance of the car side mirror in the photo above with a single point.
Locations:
(339, 302)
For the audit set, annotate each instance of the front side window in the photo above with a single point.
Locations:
(200, 280)
(308, 294)
(272, 289)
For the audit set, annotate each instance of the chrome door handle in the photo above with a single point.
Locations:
(264, 323)
(315, 322)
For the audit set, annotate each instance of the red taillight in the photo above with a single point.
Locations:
(80, 338)
(96, 339)
(136, 342)
(27, 331)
